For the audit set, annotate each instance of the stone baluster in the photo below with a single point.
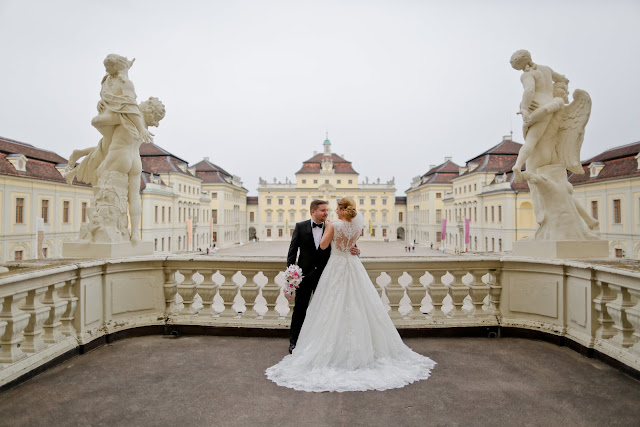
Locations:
(38, 314)
(3, 327)
(633, 315)
(187, 290)
(478, 291)
(605, 330)
(458, 292)
(249, 292)
(495, 290)
(67, 294)
(207, 291)
(228, 290)
(270, 292)
(373, 276)
(437, 291)
(16, 321)
(416, 293)
(52, 325)
(617, 310)
(426, 305)
(170, 289)
(395, 292)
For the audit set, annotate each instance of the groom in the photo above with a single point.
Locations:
(312, 260)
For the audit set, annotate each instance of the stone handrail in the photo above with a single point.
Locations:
(50, 310)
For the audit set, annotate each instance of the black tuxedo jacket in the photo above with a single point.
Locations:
(311, 260)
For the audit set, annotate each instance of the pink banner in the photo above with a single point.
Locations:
(444, 229)
(467, 225)
(189, 234)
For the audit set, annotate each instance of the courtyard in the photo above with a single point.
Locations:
(368, 249)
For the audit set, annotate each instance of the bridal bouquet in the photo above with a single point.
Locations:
(293, 276)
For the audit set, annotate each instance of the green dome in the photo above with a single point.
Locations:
(326, 142)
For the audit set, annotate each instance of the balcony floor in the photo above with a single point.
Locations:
(208, 380)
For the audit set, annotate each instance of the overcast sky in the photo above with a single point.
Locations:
(254, 85)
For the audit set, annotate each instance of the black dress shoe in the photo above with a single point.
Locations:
(291, 347)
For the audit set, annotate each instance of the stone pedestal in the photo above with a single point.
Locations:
(571, 249)
(82, 249)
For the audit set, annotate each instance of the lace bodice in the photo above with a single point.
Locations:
(346, 233)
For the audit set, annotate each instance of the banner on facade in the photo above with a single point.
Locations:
(444, 229)
(370, 227)
(210, 231)
(287, 227)
(39, 238)
(467, 225)
(189, 234)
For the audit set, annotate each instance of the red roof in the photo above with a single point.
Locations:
(441, 174)
(41, 164)
(619, 162)
(210, 173)
(314, 164)
(156, 159)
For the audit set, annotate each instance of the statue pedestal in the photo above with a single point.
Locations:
(81, 249)
(571, 249)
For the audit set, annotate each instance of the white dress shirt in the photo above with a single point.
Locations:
(317, 233)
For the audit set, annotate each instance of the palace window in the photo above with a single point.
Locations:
(384, 216)
(384, 232)
(65, 211)
(292, 201)
(17, 255)
(438, 195)
(45, 252)
(269, 217)
(304, 181)
(399, 216)
(169, 213)
(617, 212)
(281, 201)
(438, 216)
(303, 201)
(350, 181)
(252, 217)
(361, 201)
(493, 217)
(280, 232)
(438, 236)
(268, 232)
(315, 181)
(339, 181)
(619, 253)
(292, 216)
(156, 216)
(326, 181)
(163, 219)
(373, 232)
(373, 201)
(214, 195)
(84, 211)
(500, 214)
(384, 201)
(268, 200)
(45, 211)
(280, 216)
(214, 215)
(594, 209)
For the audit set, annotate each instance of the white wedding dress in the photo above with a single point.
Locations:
(347, 341)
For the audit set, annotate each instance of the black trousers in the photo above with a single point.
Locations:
(302, 298)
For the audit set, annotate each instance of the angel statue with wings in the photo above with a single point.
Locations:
(553, 130)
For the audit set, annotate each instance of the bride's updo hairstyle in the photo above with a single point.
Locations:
(349, 206)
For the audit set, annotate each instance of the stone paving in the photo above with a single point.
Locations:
(367, 249)
(219, 381)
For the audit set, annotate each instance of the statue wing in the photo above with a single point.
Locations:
(571, 132)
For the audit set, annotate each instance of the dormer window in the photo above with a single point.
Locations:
(19, 162)
(638, 162)
(595, 168)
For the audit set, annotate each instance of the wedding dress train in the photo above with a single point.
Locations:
(347, 341)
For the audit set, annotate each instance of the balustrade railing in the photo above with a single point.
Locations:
(49, 310)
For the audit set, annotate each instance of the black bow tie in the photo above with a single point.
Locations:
(313, 224)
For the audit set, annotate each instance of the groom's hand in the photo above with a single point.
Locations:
(355, 250)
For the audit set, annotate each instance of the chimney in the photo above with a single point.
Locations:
(315, 153)
(206, 159)
(447, 159)
(431, 166)
(507, 138)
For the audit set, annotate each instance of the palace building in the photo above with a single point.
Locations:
(328, 176)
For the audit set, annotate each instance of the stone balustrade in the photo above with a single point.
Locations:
(49, 311)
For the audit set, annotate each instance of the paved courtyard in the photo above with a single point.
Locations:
(214, 380)
(368, 250)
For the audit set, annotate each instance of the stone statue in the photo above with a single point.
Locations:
(553, 130)
(114, 166)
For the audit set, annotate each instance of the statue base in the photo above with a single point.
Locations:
(569, 249)
(81, 249)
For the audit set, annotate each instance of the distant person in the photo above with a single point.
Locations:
(431, 245)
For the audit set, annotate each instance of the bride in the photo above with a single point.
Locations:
(347, 341)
